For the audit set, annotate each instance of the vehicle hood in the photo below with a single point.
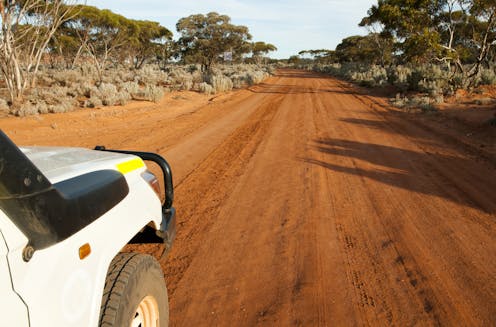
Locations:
(58, 163)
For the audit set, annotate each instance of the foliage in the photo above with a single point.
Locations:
(151, 37)
(458, 32)
(64, 90)
(322, 56)
(86, 56)
(26, 29)
(206, 88)
(370, 49)
(101, 33)
(220, 83)
(204, 38)
(261, 49)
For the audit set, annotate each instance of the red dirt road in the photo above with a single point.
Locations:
(303, 202)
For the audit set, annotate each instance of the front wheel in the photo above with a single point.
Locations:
(135, 293)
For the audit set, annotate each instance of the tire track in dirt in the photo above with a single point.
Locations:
(201, 192)
(350, 244)
(262, 238)
(424, 290)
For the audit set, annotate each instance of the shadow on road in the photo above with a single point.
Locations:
(454, 178)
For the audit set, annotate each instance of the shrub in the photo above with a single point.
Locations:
(67, 78)
(106, 92)
(93, 102)
(220, 83)
(180, 79)
(84, 89)
(399, 101)
(255, 77)
(4, 106)
(398, 76)
(369, 76)
(63, 106)
(62, 89)
(438, 99)
(239, 81)
(153, 93)
(149, 75)
(425, 103)
(488, 77)
(132, 88)
(122, 98)
(25, 109)
(206, 88)
(422, 102)
(50, 100)
(484, 101)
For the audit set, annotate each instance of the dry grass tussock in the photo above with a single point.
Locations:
(65, 90)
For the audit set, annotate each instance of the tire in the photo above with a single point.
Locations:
(135, 293)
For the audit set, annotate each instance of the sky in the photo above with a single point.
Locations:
(291, 25)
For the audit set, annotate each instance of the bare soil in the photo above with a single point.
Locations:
(305, 201)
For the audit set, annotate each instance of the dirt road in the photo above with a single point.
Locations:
(302, 202)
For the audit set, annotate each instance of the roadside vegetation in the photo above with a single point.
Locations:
(425, 50)
(59, 55)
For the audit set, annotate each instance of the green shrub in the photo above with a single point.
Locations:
(399, 101)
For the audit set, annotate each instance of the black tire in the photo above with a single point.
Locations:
(133, 280)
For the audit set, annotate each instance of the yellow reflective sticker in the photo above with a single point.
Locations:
(128, 166)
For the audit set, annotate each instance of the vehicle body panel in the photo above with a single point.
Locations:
(57, 286)
(14, 311)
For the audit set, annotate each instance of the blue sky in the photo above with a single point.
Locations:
(291, 25)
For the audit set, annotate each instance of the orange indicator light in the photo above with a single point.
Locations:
(84, 251)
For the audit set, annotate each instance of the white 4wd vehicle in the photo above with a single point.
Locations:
(65, 215)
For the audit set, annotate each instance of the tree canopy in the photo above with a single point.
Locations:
(151, 37)
(106, 36)
(449, 31)
(320, 55)
(26, 29)
(204, 38)
(261, 49)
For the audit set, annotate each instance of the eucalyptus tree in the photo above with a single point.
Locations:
(101, 34)
(204, 38)
(323, 56)
(26, 29)
(261, 49)
(150, 40)
(370, 49)
(460, 32)
(483, 13)
(64, 47)
(412, 23)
